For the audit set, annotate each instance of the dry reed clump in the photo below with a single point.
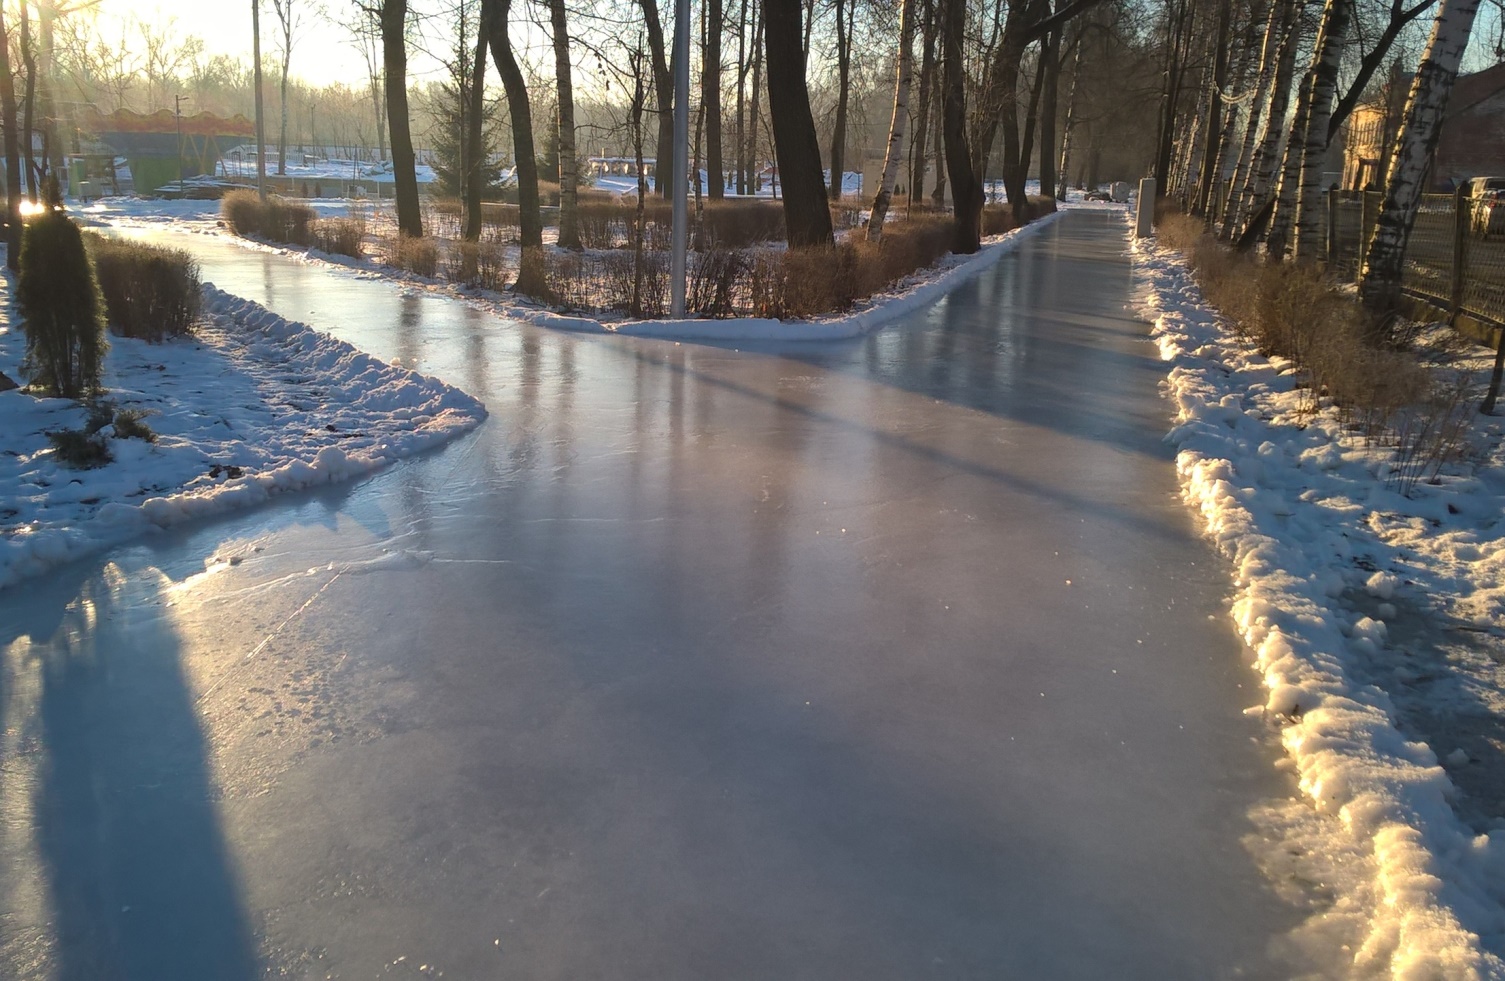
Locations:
(340, 236)
(1295, 311)
(275, 219)
(419, 256)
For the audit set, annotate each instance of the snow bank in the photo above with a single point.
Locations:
(251, 406)
(1287, 499)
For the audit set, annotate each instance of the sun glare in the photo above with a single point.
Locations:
(32, 208)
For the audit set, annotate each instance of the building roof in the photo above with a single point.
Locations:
(1470, 90)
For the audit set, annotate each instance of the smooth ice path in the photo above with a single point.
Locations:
(897, 658)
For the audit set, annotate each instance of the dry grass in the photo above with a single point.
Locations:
(419, 256)
(1296, 311)
(274, 219)
(340, 236)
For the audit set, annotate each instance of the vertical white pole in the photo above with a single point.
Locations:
(681, 154)
(1144, 215)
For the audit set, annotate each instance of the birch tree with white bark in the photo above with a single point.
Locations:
(1380, 275)
(895, 151)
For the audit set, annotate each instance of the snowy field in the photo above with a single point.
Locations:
(1377, 622)
(250, 406)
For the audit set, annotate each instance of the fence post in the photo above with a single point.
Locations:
(1332, 228)
(1460, 249)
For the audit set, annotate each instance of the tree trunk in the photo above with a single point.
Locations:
(1070, 126)
(1050, 65)
(34, 171)
(12, 153)
(494, 15)
(917, 156)
(1380, 280)
(966, 187)
(754, 115)
(710, 100)
(1027, 140)
(843, 90)
(1290, 170)
(475, 145)
(1267, 157)
(663, 87)
(1212, 152)
(1311, 194)
(1170, 95)
(1275, 28)
(896, 127)
(807, 216)
(569, 178)
(52, 132)
(742, 69)
(394, 15)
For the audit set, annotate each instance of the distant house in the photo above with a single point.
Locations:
(1471, 144)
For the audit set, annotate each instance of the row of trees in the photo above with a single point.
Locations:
(808, 83)
(1255, 97)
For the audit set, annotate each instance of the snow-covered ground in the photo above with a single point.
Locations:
(249, 406)
(1377, 622)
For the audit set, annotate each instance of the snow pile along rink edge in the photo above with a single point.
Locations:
(250, 406)
(1440, 911)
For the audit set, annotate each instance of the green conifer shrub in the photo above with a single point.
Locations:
(61, 308)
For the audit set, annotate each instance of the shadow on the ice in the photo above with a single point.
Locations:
(126, 821)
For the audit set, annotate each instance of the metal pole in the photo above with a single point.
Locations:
(261, 162)
(681, 154)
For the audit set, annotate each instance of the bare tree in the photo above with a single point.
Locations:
(494, 15)
(896, 127)
(807, 216)
(393, 16)
(1380, 279)
(710, 98)
(569, 231)
(12, 153)
(288, 24)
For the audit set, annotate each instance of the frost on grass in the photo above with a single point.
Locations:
(250, 406)
(1370, 612)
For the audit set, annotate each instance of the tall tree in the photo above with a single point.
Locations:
(12, 153)
(807, 216)
(663, 87)
(1311, 194)
(494, 14)
(1380, 279)
(895, 150)
(843, 95)
(478, 172)
(966, 183)
(710, 99)
(917, 158)
(569, 227)
(394, 22)
(1212, 150)
(287, 23)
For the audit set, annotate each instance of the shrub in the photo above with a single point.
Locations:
(242, 211)
(419, 256)
(60, 305)
(275, 219)
(997, 219)
(150, 292)
(80, 448)
(460, 262)
(491, 266)
(340, 236)
(713, 276)
(130, 424)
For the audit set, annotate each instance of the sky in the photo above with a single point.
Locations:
(322, 52)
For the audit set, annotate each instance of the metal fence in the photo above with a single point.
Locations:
(1450, 258)
(1450, 261)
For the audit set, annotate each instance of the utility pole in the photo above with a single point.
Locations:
(681, 155)
(261, 162)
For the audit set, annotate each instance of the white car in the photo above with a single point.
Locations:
(1487, 206)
